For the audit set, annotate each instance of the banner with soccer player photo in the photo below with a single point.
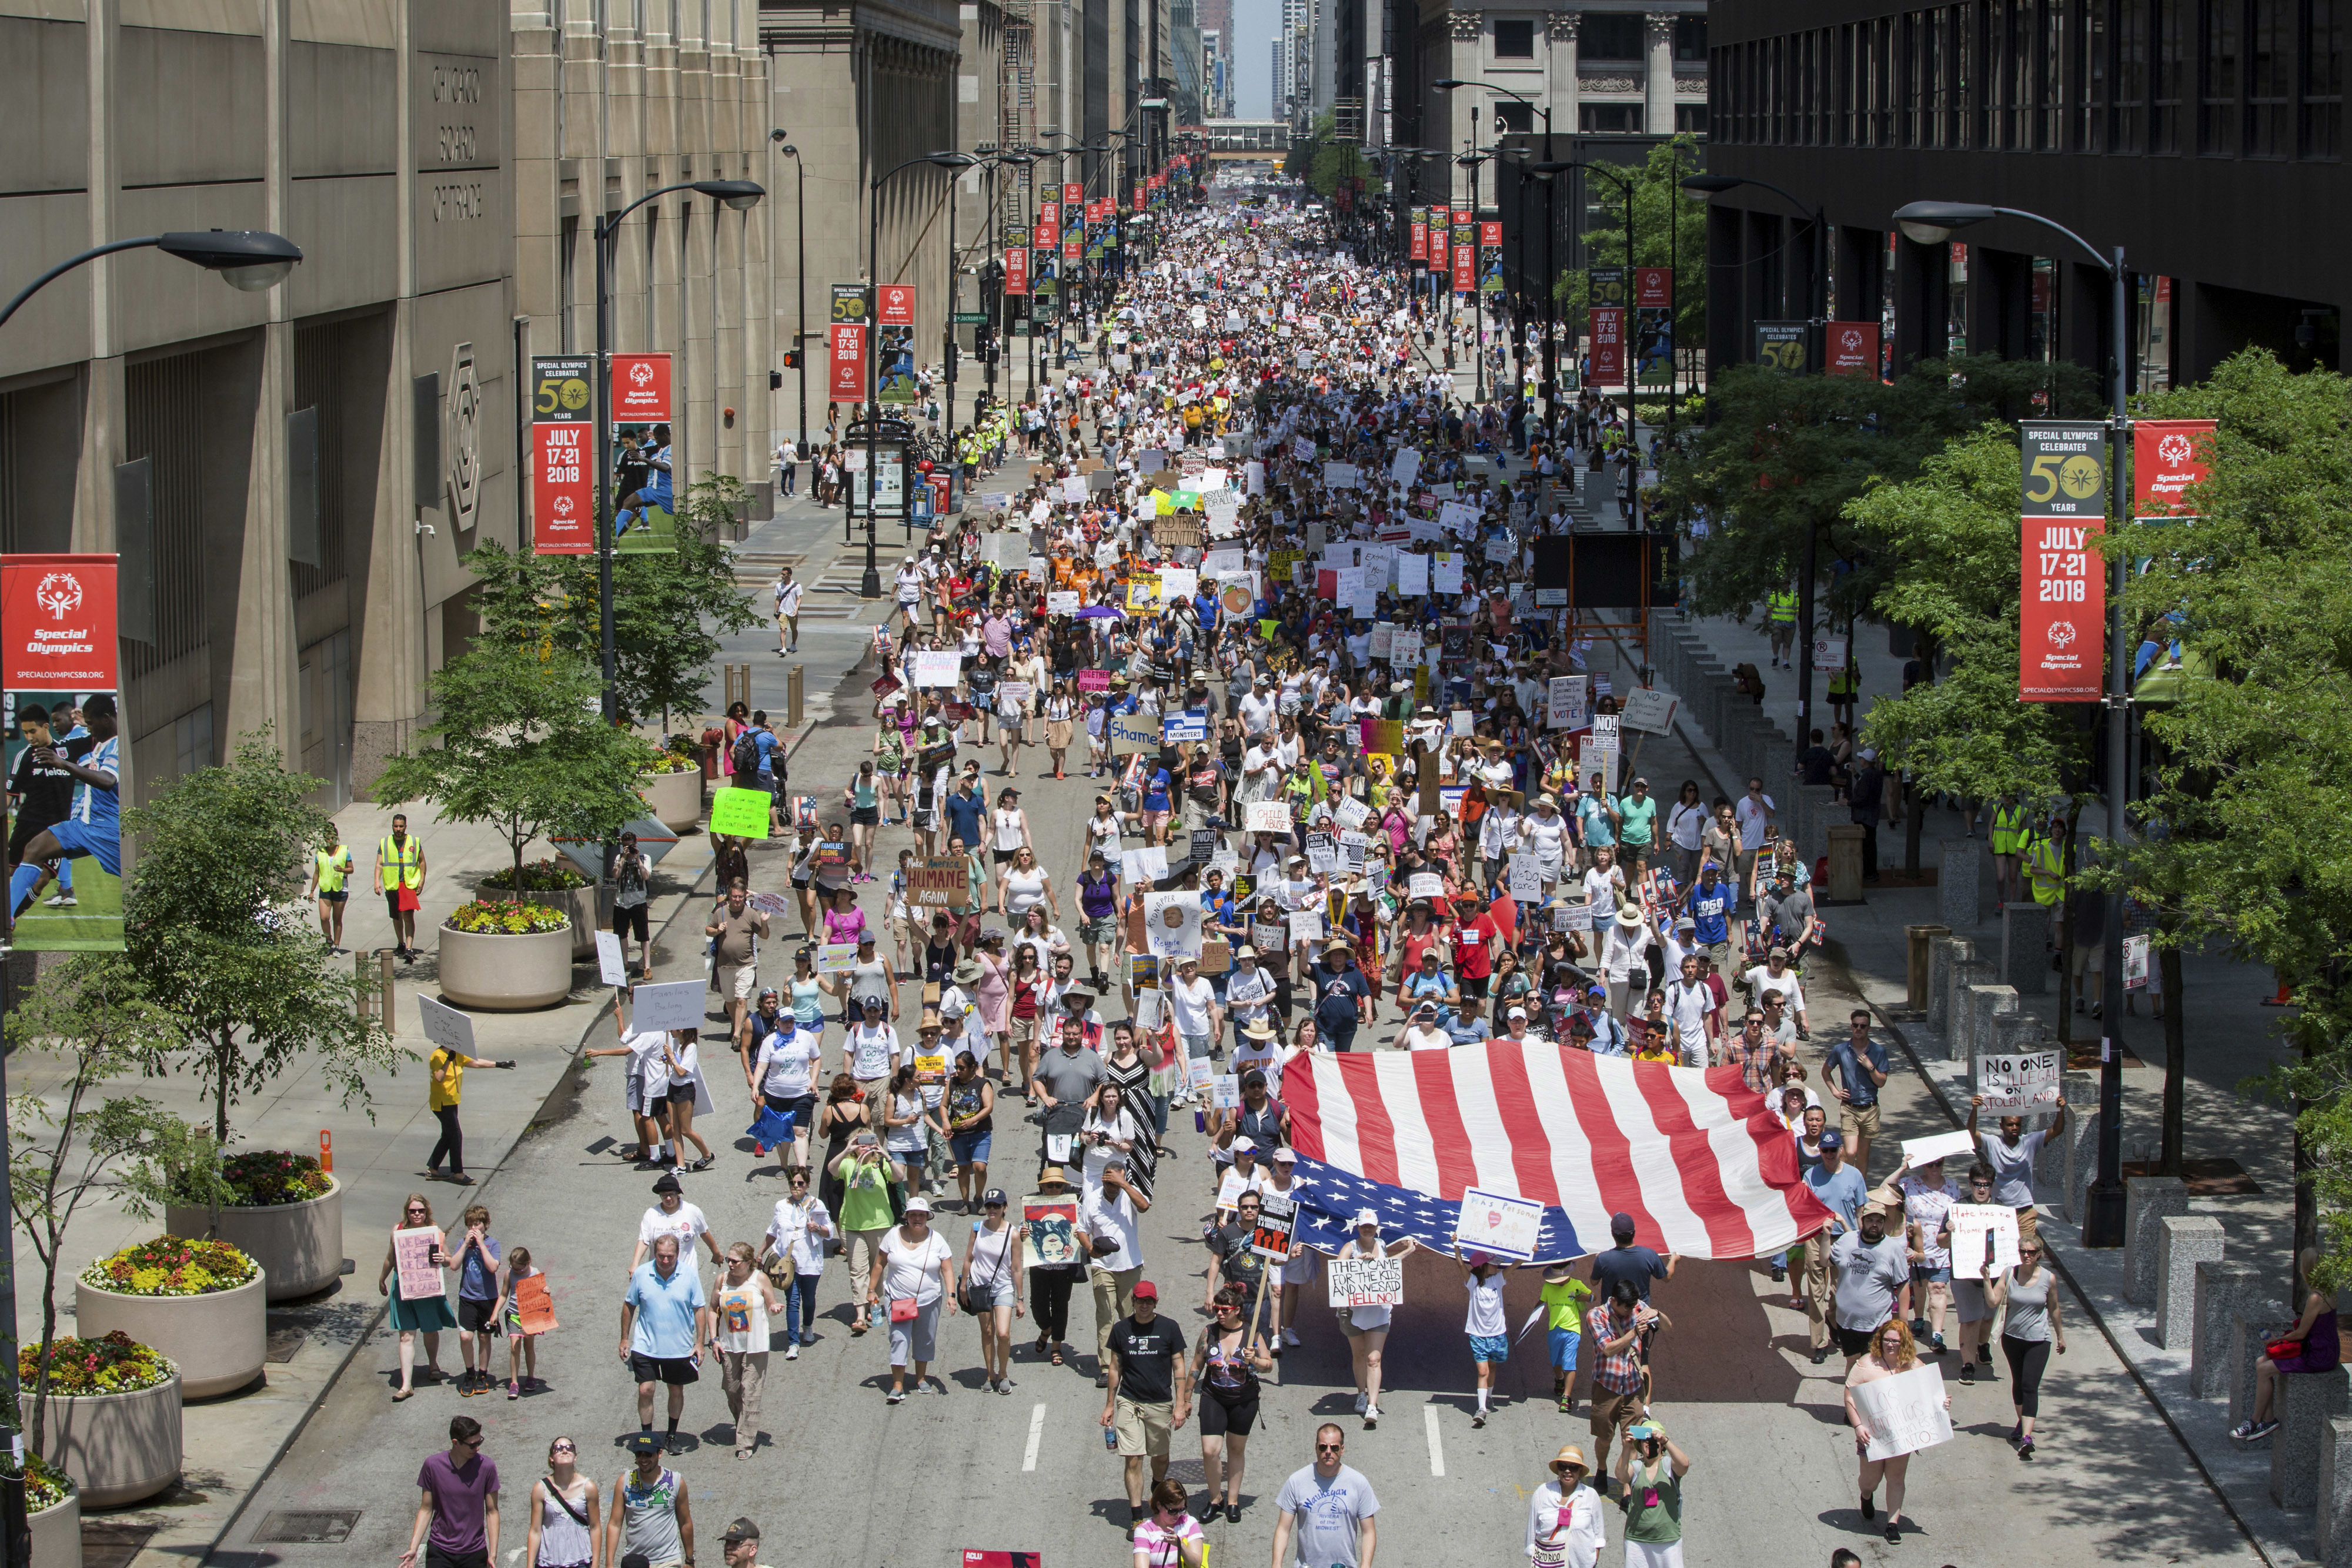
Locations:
(57, 618)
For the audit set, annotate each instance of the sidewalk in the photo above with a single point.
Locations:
(2231, 1038)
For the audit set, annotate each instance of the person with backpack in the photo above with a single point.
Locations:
(758, 764)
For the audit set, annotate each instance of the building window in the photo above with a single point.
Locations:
(2323, 80)
(1690, 119)
(1602, 36)
(2089, 96)
(1514, 40)
(1776, 75)
(2129, 119)
(1609, 118)
(2170, 82)
(2270, 61)
(2218, 66)
(1510, 117)
(192, 742)
(2049, 131)
(1690, 40)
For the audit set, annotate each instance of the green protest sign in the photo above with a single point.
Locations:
(739, 813)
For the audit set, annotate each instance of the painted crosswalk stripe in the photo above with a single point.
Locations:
(1436, 1443)
(1036, 1435)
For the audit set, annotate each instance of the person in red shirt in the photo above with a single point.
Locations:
(1477, 939)
(1422, 930)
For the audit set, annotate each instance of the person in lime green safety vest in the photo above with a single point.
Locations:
(2045, 862)
(2012, 825)
(1780, 607)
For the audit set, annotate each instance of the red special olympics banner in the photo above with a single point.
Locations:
(1653, 286)
(1420, 240)
(1608, 332)
(1438, 239)
(846, 340)
(1072, 193)
(1490, 234)
(1016, 270)
(2062, 615)
(2168, 457)
(895, 303)
(1070, 248)
(641, 388)
(1138, 198)
(58, 614)
(562, 488)
(1851, 349)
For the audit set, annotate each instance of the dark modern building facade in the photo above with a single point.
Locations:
(2205, 137)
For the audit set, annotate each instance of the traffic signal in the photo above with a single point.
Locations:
(791, 363)
(775, 381)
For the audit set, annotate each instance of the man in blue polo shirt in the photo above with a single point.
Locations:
(664, 1319)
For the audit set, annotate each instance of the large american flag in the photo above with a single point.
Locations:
(1691, 1154)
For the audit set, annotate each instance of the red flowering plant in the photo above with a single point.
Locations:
(263, 1178)
(172, 1266)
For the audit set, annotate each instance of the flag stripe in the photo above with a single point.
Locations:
(1704, 1168)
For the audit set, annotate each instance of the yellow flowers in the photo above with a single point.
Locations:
(170, 1266)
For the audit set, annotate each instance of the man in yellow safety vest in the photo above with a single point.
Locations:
(2045, 862)
(1780, 608)
(399, 874)
(2012, 825)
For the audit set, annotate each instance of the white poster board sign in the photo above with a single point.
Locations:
(1941, 1146)
(1905, 1412)
(1173, 921)
(1267, 817)
(1498, 1225)
(937, 669)
(1526, 879)
(1651, 712)
(1980, 1227)
(2018, 1081)
(1366, 1281)
(611, 966)
(1568, 703)
(415, 1253)
(672, 1004)
(446, 1027)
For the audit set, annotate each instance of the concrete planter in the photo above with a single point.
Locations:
(57, 1534)
(118, 1447)
(589, 907)
(675, 799)
(492, 971)
(219, 1341)
(300, 1245)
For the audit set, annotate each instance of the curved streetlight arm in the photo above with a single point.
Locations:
(2110, 264)
(68, 264)
(613, 224)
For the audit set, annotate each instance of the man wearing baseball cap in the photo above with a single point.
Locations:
(741, 1544)
(1149, 1393)
(1842, 1190)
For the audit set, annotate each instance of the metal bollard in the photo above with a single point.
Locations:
(792, 688)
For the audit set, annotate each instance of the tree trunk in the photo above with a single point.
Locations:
(224, 1063)
(1913, 825)
(2176, 1049)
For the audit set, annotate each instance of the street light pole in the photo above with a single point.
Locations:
(870, 586)
(1932, 222)
(800, 272)
(249, 260)
(736, 194)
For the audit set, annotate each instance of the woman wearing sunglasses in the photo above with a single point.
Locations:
(2028, 1329)
(413, 1315)
(1170, 1538)
(1892, 1351)
(1565, 1528)
(991, 1273)
(563, 1528)
(1226, 1368)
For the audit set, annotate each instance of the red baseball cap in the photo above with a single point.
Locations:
(1146, 1290)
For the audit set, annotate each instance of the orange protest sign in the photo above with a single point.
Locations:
(532, 1302)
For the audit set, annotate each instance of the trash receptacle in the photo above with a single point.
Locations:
(1922, 943)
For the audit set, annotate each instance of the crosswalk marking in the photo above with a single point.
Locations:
(1436, 1443)
(1036, 1435)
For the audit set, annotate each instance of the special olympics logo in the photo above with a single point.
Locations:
(2061, 634)
(2173, 451)
(562, 506)
(59, 593)
(1850, 338)
(641, 373)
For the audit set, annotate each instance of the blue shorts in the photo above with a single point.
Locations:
(1489, 1347)
(969, 1148)
(88, 838)
(1564, 1344)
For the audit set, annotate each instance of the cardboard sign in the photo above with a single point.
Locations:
(1048, 1234)
(534, 1305)
(1093, 680)
(939, 881)
(1225, 1092)
(1567, 704)
(1366, 1281)
(672, 1004)
(1984, 1239)
(446, 1027)
(740, 813)
(1905, 1412)
(2018, 1081)
(1268, 935)
(1651, 712)
(1267, 817)
(1424, 884)
(1571, 915)
(1277, 1218)
(1498, 1225)
(938, 669)
(1134, 729)
(1061, 602)
(1526, 879)
(1306, 925)
(414, 1253)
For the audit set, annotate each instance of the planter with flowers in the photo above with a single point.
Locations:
(286, 1216)
(202, 1304)
(672, 788)
(113, 1422)
(506, 958)
(53, 1512)
(557, 886)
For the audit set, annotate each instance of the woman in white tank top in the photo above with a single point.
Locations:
(564, 1521)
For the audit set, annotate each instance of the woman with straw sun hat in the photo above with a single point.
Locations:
(1565, 1526)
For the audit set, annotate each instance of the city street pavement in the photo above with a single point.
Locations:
(844, 1478)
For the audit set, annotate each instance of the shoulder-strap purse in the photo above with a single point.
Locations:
(565, 1503)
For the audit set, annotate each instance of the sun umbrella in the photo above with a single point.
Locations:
(1099, 613)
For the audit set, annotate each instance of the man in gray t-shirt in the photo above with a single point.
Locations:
(1065, 1077)
(1870, 1266)
(1328, 1506)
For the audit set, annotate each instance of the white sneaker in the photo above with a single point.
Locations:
(62, 901)
(1290, 1336)
(1363, 1401)
(792, 1352)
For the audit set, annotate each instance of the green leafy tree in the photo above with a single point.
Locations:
(1669, 230)
(2249, 797)
(210, 936)
(90, 1015)
(670, 609)
(1783, 455)
(522, 748)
